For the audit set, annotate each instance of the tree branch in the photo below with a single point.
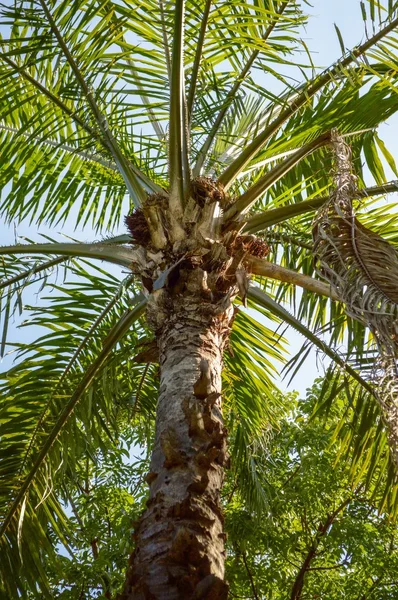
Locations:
(338, 566)
(371, 589)
(250, 576)
(94, 549)
(322, 532)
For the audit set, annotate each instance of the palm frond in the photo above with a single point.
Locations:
(136, 191)
(116, 254)
(252, 402)
(59, 428)
(258, 296)
(302, 98)
(231, 96)
(253, 193)
(278, 215)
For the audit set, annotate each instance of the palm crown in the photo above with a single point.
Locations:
(158, 112)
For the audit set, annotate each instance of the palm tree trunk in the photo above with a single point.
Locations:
(179, 539)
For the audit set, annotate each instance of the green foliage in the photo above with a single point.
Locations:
(93, 116)
(305, 483)
(102, 504)
(47, 430)
(318, 523)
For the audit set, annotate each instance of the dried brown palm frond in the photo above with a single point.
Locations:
(385, 375)
(360, 265)
(362, 268)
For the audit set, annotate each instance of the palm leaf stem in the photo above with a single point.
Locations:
(264, 300)
(165, 40)
(246, 200)
(309, 90)
(278, 215)
(178, 144)
(198, 56)
(259, 266)
(123, 238)
(119, 255)
(136, 191)
(114, 336)
(231, 96)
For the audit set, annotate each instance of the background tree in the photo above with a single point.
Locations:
(318, 535)
(322, 535)
(218, 158)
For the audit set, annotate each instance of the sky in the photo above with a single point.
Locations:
(320, 36)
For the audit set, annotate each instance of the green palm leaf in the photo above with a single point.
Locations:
(37, 449)
(180, 116)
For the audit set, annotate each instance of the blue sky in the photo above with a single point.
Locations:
(321, 38)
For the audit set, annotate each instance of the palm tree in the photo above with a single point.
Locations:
(161, 112)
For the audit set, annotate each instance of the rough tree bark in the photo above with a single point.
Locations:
(179, 540)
